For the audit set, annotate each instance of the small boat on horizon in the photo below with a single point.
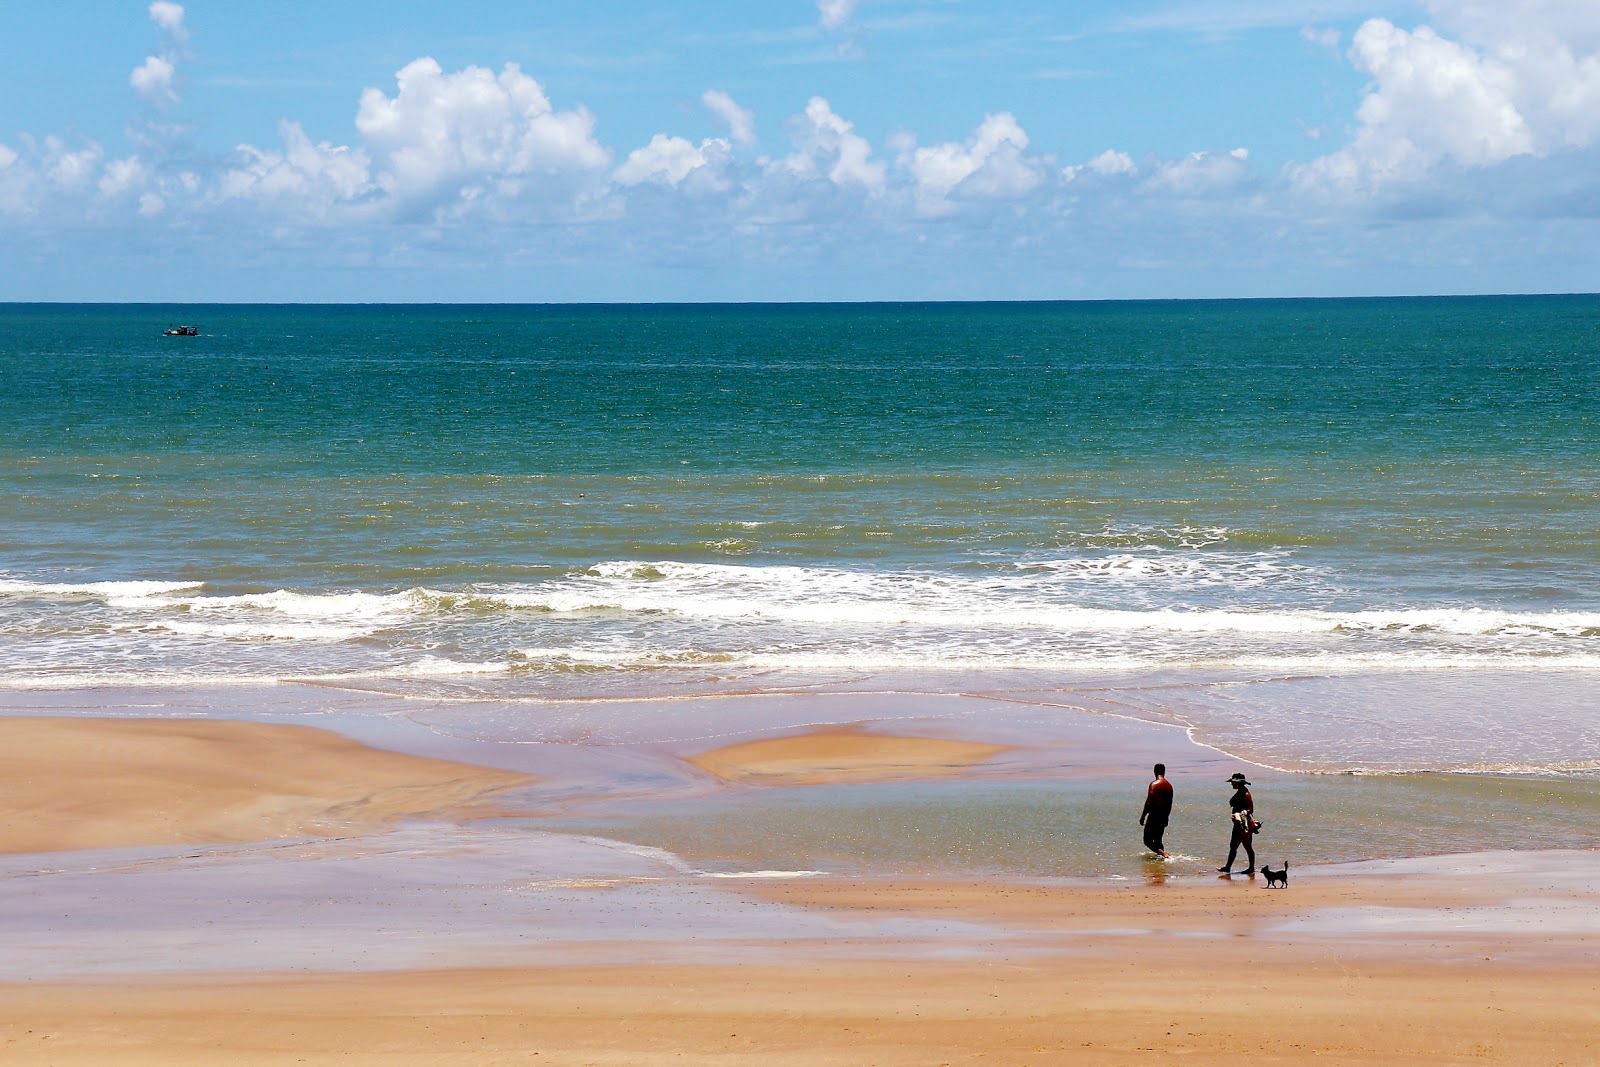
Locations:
(181, 331)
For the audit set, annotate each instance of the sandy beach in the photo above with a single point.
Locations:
(522, 946)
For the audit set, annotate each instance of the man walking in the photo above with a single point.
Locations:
(1157, 810)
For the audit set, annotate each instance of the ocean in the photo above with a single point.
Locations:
(1323, 534)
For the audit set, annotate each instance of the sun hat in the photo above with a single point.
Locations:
(1237, 779)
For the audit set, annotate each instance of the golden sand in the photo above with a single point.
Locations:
(1153, 999)
(75, 783)
(843, 754)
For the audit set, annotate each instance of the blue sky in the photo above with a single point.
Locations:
(798, 150)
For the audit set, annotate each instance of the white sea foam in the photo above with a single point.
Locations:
(440, 667)
(820, 596)
(757, 875)
(956, 657)
(813, 596)
(373, 606)
(129, 591)
(1253, 611)
(129, 680)
(263, 631)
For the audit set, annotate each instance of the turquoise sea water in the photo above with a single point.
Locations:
(1338, 532)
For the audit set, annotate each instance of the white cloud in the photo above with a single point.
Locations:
(829, 146)
(169, 17)
(741, 123)
(1515, 80)
(464, 135)
(68, 169)
(1436, 96)
(305, 180)
(1201, 174)
(1107, 164)
(18, 193)
(122, 176)
(154, 81)
(988, 165)
(831, 14)
(670, 160)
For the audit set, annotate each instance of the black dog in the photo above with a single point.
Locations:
(1280, 879)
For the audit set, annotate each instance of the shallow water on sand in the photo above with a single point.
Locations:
(1088, 828)
(1063, 803)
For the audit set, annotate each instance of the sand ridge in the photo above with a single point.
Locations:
(841, 754)
(74, 783)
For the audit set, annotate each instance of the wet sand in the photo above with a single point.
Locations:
(460, 942)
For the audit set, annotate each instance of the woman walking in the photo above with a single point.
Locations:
(1242, 813)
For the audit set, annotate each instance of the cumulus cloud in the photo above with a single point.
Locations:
(1488, 83)
(122, 176)
(741, 123)
(70, 169)
(1107, 164)
(41, 172)
(1201, 174)
(828, 146)
(169, 17)
(670, 160)
(155, 80)
(306, 180)
(990, 164)
(1436, 97)
(456, 137)
(831, 14)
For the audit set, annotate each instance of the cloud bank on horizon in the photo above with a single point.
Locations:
(1475, 128)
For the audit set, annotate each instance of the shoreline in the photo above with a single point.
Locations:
(1211, 707)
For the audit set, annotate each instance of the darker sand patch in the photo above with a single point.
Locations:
(843, 754)
(99, 783)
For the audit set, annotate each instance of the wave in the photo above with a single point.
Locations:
(504, 679)
(248, 631)
(1040, 596)
(957, 659)
(134, 590)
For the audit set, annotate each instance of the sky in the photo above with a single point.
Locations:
(500, 151)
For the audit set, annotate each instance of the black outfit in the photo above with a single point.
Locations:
(1241, 810)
